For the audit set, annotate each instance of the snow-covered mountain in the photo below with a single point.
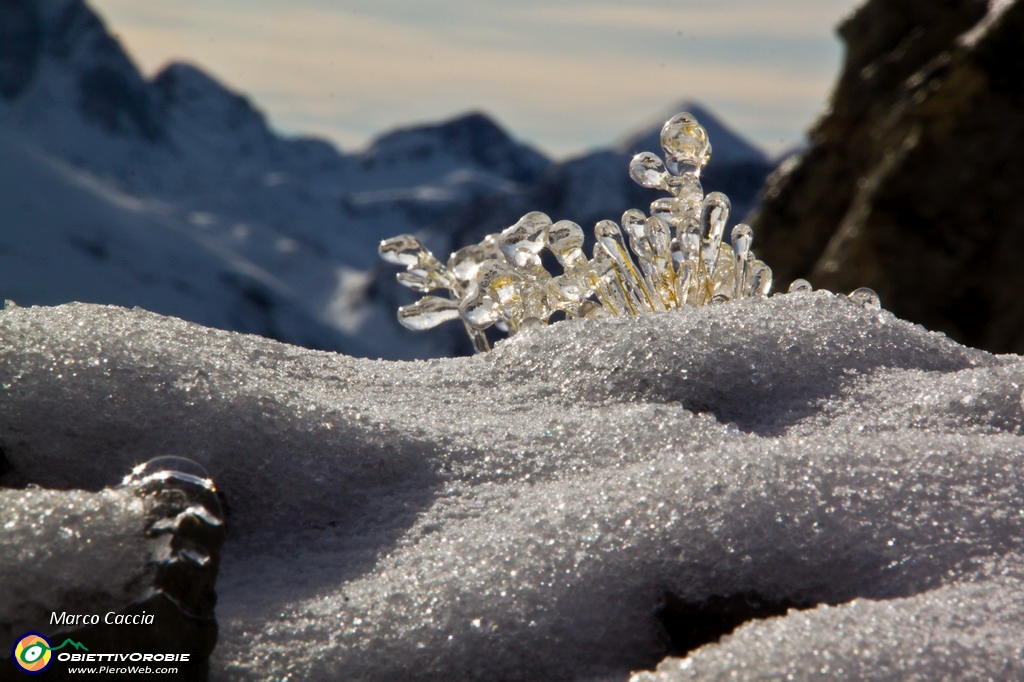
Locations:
(174, 194)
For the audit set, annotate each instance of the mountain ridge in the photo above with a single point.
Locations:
(289, 225)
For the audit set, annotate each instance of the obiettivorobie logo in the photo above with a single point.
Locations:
(33, 653)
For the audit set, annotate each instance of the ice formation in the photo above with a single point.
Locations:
(676, 256)
(569, 505)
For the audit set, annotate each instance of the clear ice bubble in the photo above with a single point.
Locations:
(665, 208)
(418, 280)
(866, 298)
(657, 232)
(686, 144)
(526, 238)
(568, 288)
(478, 310)
(180, 474)
(401, 250)
(686, 187)
(648, 170)
(565, 236)
(760, 279)
(169, 468)
(428, 312)
(689, 238)
(714, 215)
(465, 262)
(676, 252)
(742, 236)
(800, 286)
(633, 221)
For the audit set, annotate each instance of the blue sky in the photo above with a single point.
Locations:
(564, 76)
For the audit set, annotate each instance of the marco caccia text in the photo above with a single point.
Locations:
(111, 618)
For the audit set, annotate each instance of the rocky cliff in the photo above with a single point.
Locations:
(912, 182)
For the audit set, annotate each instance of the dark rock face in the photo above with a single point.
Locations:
(912, 183)
(110, 98)
(21, 38)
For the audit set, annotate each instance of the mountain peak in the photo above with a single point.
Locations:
(472, 137)
(188, 88)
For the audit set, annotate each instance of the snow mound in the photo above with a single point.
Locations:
(92, 541)
(586, 501)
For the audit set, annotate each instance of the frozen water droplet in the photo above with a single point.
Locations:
(675, 249)
(800, 286)
(169, 468)
(480, 311)
(428, 312)
(648, 170)
(531, 323)
(565, 235)
(401, 250)
(686, 144)
(418, 280)
(742, 236)
(665, 208)
(867, 298)
(658, 234)
(760, 279)
(523, 241)
(568, 288)
(689, 238)
(176, 476)
(687, 187)
(714, 215)
(465, 262)
(633, 221)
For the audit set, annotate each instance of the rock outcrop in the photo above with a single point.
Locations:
(912, 182)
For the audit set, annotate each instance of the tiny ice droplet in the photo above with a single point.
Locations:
(169, 468)
(714, 215)
(867, 298)
(742, 236)
(401, 250)
(686, 144)
(565, 235)
(633, 221)
(523, 241)
(800, 286)
(648, 170)
(428, 312)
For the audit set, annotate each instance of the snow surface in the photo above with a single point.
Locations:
(61, 547)
(523, 514)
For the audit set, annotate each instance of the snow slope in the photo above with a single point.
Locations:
(69, 235)
(574, 504)
(285, 230)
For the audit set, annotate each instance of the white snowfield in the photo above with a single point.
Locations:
(527, 514)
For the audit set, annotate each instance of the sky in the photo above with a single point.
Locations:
(565, 77)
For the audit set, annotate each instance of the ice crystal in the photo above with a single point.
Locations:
(674, 256)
